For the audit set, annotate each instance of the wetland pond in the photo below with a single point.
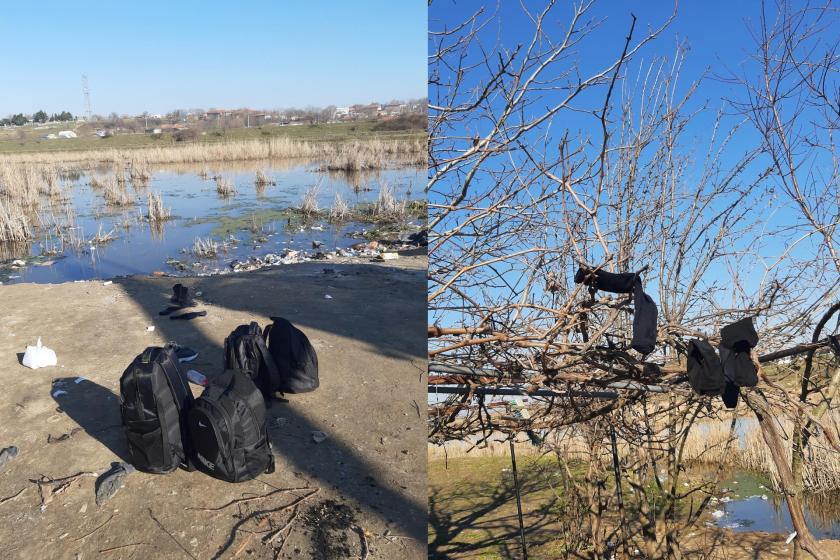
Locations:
(84, 238)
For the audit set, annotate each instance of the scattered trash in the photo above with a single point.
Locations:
(39, 356)
(110, 481)
(7, 454)
(726, 499)
(107, 283)
(150, 328)
(764, 496)
(318, 436)
(59, 393)
(197, 377)
(790, 538)
(18, 263)
(389, 256)
(717, 514)
(327, 296)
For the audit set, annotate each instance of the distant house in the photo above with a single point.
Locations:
(67, 134)
(341, 112)
(394, 110)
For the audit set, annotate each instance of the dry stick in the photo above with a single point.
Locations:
(272, 538)
(95, 530)
(245, 543)
(12, 497)
(363, 538)
(243, 500)
(104, 550)
(171, 536)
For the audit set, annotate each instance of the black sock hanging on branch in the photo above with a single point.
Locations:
(736, 341)
(705, 374)
(644, 315)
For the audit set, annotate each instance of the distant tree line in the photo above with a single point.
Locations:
(41, 116)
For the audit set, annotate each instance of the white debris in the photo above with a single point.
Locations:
(150, 328)
(790, 538)
(718, 513)
(327, 296)
(39, 356)
(107, 283)
(726, 499)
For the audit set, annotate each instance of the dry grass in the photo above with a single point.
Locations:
(309, 203)
(224, 187)
(206, 248)
(140, 174)
(115, 193)
(157, 211)
(262, 180)
(340, 211)
(14, 226)
(347, 155)
(387, 206)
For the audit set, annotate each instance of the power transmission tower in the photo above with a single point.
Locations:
(86, 92)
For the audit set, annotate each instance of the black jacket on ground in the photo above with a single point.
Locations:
(645, 312)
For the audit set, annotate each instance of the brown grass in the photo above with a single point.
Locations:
(157, 211)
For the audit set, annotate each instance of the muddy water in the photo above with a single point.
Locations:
(252, 222)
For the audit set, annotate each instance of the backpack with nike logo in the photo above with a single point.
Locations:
(245, 351)
(227, 427)
(154, 400)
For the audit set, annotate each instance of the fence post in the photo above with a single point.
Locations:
(518, 500)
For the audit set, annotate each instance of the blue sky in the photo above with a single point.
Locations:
(719, 43)
(156, 56)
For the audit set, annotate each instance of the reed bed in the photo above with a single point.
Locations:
(340, 210)
(224, 187)
(140, 174)
(206, 248)
(157, 211)
(115, 193)
(309, 203)
(14, 226)
(387, 206)
(352, 155)
(261, 180)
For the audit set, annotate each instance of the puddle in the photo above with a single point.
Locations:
(259, 221)
(753, 507)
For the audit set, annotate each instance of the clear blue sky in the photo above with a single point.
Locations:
(156, 56)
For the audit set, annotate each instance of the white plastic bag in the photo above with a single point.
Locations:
(39, 356)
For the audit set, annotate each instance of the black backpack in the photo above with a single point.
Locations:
(705, 374)
(154, 399)
(245, 351)
(294, 357)
(227, 426)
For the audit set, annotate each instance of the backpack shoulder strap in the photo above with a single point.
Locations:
(268, 360)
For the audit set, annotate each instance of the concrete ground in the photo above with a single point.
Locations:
(370, 472)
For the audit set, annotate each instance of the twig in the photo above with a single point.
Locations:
(363, 538)
(271, 539)
(12, 497)
(104, 550)
(251, 536)
(95, 530)
(243, 500)
(233, 531)
(171, 536)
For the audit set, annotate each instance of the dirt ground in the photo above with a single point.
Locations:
(370, 472)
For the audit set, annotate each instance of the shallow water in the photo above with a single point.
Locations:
(199, 212)
(755, 508)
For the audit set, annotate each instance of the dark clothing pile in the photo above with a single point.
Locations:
(644, 315)
(724, 376)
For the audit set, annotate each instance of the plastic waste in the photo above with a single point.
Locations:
(39, 356)
(197, 377)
